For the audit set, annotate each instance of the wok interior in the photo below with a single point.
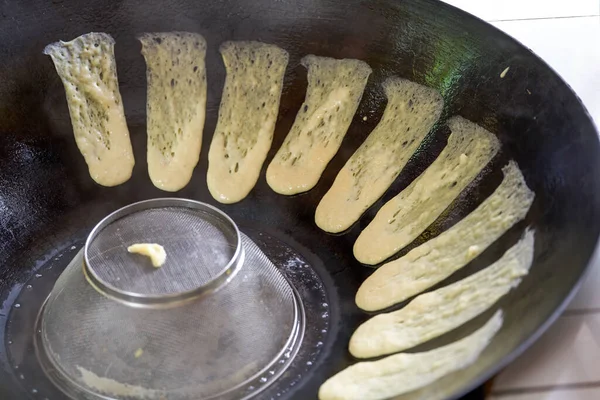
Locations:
(47, 197)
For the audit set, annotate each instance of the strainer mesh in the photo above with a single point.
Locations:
(199, 245)
(199, 350)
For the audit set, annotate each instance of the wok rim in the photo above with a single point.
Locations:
(542, 328)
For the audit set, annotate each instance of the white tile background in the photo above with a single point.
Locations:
(565, 363)
(499, 10)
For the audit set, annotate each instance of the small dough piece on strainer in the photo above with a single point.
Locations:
(402, 219)
(434, 313)
(87, 68)
(247, 116)
(335, 88)
(155, 252)
(176, 105)
(411, 112)
(437, 259)
(404, 372)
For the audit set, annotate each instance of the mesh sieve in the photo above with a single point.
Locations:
(219, 345)
(202, 245)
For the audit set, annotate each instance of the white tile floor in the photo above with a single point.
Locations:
(565, 363)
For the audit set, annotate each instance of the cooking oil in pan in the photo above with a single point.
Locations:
(304, 359)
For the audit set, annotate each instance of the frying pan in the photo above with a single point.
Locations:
(48, 202)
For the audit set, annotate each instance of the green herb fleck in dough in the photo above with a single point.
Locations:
(435, 260)
(400, 373)
(435, 313)
(335, 88)
(247, 116)
(87, 68)
(411, 112)
(175, 112)
(470, 148)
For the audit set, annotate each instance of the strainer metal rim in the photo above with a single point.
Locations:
(142, 300)
(76, 390)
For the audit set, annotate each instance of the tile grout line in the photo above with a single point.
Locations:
(542, 389)
(581, 311)
(585, 311)
(544, 18)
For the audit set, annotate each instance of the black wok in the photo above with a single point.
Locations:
(48, 202)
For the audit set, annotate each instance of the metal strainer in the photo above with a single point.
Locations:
(202, 245)
(135, 332)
